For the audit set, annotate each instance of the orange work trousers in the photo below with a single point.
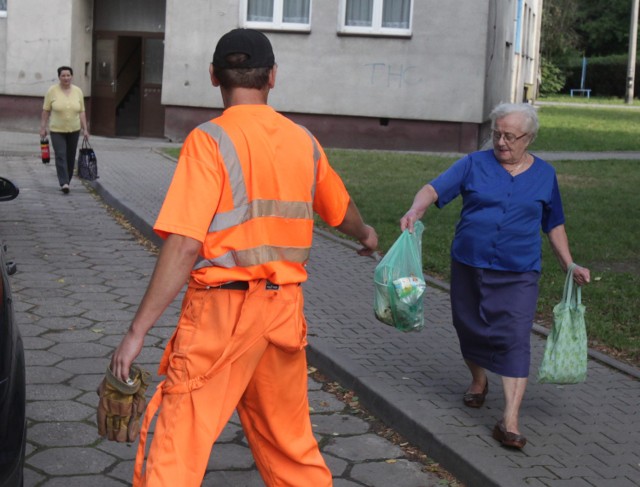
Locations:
(232, 350)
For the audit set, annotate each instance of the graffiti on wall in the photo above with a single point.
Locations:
(393, 75)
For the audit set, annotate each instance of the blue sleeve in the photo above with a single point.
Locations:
(553, 213)
(449, 184)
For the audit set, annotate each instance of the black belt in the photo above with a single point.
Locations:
(233, 285)
(243, 286)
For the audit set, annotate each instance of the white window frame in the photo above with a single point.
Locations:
(277, 24)
(376, 21)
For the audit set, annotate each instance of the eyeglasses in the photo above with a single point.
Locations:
(508, 137)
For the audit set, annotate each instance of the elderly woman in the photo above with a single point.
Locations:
(64, 111)
(508, 195)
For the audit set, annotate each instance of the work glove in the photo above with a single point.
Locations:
(121, 405)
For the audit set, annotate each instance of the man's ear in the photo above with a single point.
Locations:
(214, 81)
(272, 76)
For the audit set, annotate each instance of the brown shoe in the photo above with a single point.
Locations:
(506, 438)
(475, 400)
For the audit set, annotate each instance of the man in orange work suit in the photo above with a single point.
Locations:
(238, 222)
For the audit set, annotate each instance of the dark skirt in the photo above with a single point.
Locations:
(493, 314)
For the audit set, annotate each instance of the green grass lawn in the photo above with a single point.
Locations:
(602, 207)
(601, 202)
(573, 128)
(593, 100)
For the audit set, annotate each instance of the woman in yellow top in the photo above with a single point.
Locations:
(63, 111)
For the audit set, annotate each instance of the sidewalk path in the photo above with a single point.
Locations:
(80, 278)
(581, 435)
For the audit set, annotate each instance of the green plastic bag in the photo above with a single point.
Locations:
(565, 354)
(399, 283)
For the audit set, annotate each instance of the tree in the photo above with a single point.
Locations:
(559, 39)
(603, 26)
(571, 28)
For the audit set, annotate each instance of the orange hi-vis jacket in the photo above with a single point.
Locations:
(246, 185)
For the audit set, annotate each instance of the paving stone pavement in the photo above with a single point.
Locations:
(81, 276)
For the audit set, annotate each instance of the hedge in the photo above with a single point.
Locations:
(606, 76)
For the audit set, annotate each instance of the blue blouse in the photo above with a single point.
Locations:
(501, 215)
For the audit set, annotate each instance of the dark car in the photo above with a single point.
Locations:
(13, 425)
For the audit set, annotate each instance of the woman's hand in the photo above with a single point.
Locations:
(84, 125)
(581, 275)
(409, 219)
(422, 200)
(44, 123)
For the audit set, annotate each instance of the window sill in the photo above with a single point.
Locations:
(270, 27)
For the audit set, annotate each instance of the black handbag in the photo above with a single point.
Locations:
(87, 162)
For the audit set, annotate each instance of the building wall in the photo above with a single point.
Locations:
(35, 41)
(38, 40)
(528, 58)
(438, 74)
(433, 90)
(130, 16)
(3, 52)
(81, 50)
(499, 59)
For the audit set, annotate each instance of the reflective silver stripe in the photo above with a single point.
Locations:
(243, 210)
(262, 208)
(316, 159)
(231, 162)
(257, 256)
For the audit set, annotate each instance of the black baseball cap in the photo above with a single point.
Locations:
(251, 42)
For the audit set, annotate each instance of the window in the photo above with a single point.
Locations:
(383, 17)
(277, 14)
(3, 8)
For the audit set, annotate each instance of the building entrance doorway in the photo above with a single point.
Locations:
(126, 89)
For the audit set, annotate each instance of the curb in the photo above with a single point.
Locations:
(374, 396)
(398, 416)
(452, 454)
(537, 328)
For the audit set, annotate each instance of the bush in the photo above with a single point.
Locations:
(552, 78)
(606, 76)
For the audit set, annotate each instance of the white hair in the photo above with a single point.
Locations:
(528, 112)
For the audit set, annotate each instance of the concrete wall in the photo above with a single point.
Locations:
(130, 16)
(81, 43)
(438, 74)
(34, 41)
(499, 55)
(510, 66)
(431, 90)
(3, 52)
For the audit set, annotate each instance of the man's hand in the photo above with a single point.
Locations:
(125, 354)
(121, 405)
(369, 242)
